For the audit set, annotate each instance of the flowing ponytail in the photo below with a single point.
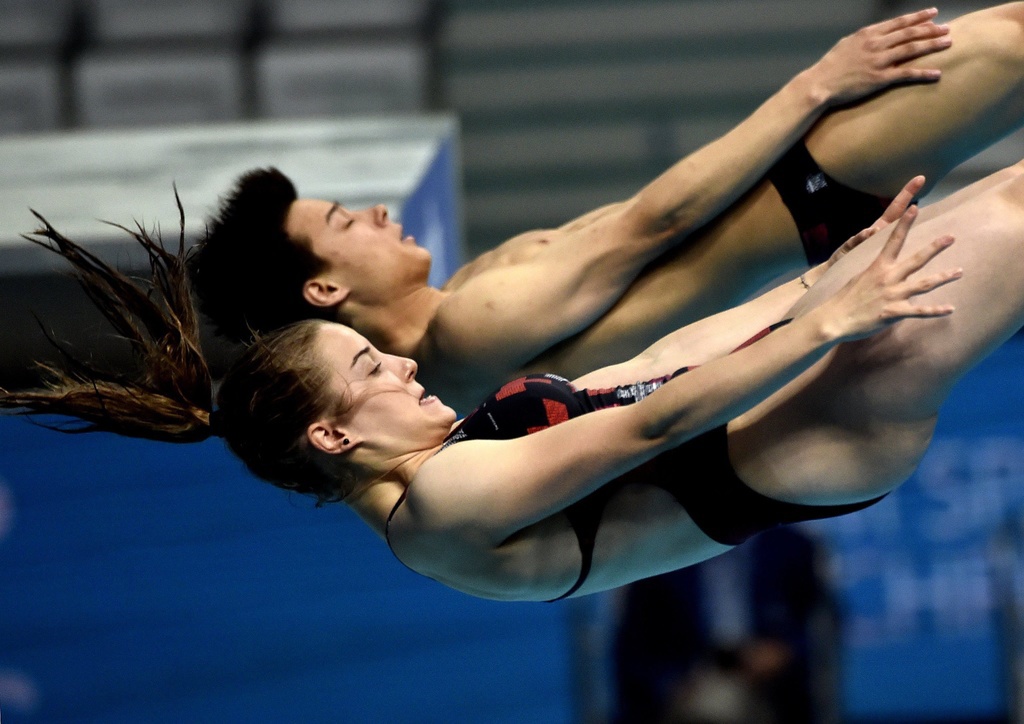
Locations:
(170, 398)
(268, 398)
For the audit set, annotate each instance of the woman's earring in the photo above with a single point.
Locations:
(345, 441)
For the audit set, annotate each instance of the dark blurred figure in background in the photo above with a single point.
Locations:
(728, 641)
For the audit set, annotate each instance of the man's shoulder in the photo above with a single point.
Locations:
(454, 368)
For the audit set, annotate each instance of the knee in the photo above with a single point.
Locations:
(1010, 18)
(1008, 173)
(1012, 13)
(1006, 194)
(1013, 189)
(997, 32)
(1014, 171)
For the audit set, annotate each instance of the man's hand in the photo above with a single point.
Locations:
(878, 56)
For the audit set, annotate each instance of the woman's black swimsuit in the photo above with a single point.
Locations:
(826, 212)
(721, 505)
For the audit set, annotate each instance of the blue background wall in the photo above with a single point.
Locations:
(926, 575)
(149, 582)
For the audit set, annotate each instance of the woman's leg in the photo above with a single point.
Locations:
(858, 422)
(875, 147)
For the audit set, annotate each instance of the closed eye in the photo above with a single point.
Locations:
(337, 210)
(376, 369)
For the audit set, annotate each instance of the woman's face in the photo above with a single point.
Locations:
(381, 399)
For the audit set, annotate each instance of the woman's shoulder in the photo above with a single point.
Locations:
(436, 496)
(439, 533)
(437, 526)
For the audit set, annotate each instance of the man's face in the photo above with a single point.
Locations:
(363, 251)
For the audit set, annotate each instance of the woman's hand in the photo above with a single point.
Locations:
(882, 294)
(876, 57)
(896, 208)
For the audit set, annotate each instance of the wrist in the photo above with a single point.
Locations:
(812, 88)
(823, 326)
(810, 277)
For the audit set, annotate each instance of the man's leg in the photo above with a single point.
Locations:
(877, 145)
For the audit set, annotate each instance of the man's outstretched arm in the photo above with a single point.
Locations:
(501, 317)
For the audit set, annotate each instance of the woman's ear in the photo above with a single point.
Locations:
(329, 437)
(322, 292)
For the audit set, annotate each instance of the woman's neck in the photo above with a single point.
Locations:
(374, 501)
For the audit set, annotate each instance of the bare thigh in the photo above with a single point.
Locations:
(857, 423)
(877, 145)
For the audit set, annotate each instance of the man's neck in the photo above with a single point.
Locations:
(400, 326)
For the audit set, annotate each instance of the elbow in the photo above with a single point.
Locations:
(651, 217)
(638, 219)
(656, 434)
(660, 431)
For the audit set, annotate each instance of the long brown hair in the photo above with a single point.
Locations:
(266, 401)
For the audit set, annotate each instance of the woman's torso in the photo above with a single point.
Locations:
(628, 529)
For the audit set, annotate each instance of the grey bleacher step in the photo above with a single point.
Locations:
(321, 79)
(623, 82)
(146, 88)
(34, 24)
(287, 17)
(530, 26)
(116, 21)
(29, 95)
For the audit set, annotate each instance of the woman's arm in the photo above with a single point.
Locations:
(491, 489)
(720, 334)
